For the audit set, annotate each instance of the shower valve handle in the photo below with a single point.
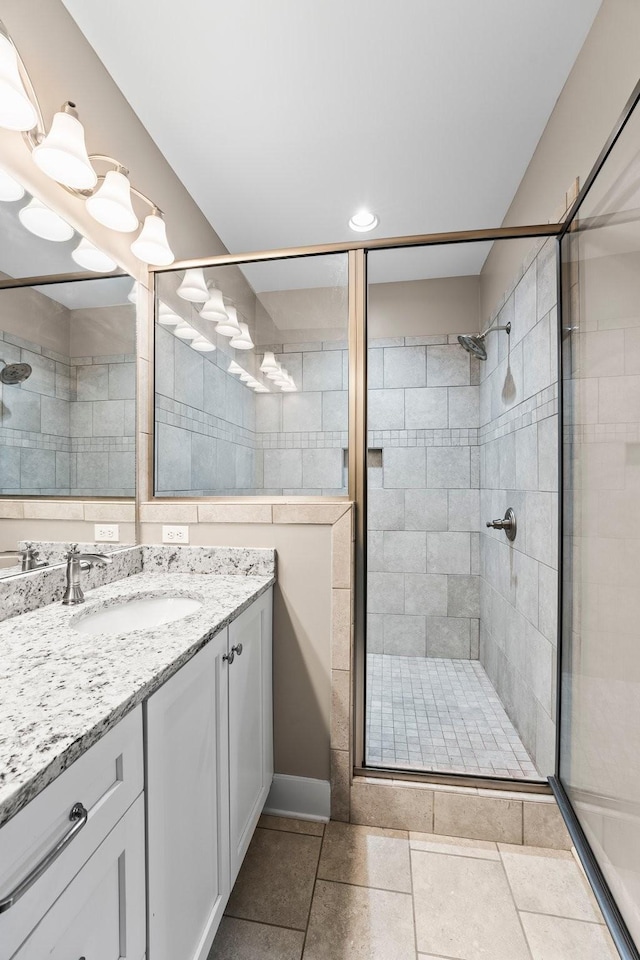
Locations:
(508, 524)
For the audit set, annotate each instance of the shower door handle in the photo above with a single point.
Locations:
(508, 524)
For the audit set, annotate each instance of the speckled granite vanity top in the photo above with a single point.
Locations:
(61, 690)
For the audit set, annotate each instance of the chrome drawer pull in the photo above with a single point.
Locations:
(237, 649)
(230, 657)
(78, 816)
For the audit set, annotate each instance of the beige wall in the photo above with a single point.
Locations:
(600, 83)
(103, 331)
(63, 66)
(28, 314)
(302, 629)
(446, 305)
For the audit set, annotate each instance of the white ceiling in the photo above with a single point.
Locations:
(283, 117)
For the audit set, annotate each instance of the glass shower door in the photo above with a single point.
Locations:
(600, 715)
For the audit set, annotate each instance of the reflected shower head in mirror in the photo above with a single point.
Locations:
(14, 372)
(475, 345)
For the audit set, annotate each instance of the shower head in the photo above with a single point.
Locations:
(475, 345)
(14, 372)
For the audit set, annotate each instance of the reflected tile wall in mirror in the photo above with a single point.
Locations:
(217, 436)
(68, 429)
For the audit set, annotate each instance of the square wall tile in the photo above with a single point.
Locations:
(404, 636)
(321, 467)
(464, 407)
(447, 366)
(425, 594)
(448, 467)
(322, 370)
(385, 509)
(448, 637)
(386, 410)
(385, 592)
(301, 412)
(448, 553)
(404, 467)
(426, 408)
(283, 468)
(405, 551)
(405, 367)
(426, 509)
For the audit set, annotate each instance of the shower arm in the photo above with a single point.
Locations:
(491, 328)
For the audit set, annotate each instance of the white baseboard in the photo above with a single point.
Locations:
(299, 797)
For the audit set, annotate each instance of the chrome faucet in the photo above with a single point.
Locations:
(76, 562)
(28, 556)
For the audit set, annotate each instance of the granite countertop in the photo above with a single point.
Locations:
(62, 689)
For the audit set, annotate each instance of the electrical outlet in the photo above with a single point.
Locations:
(106, 532)
(175, 534)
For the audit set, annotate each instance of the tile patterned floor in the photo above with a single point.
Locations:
(345, 892)
(438, 714)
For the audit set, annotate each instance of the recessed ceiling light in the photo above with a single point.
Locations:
(363, 220)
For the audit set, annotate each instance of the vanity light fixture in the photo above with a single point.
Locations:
(111, 204)
(91, 258)
(234, 368)
(363, 220)
(269, 363)
(40, 220)
(229, 327)
(10, 189)
(168, 317)
(214, 308)
(17, 112)
(61, 153)
(151, 246)
(246, 377)
(185, 331)
(202, 345)
(244, 341)
(193, 287)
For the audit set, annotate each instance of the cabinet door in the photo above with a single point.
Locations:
(101, 914)
(250, 724)
(187, 806)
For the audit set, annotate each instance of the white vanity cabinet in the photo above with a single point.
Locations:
(209, 770)
(102, 857)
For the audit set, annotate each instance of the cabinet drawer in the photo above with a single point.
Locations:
(101, 914)
(105, 780)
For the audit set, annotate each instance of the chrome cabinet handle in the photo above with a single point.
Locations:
(230, 657)
(78, 816)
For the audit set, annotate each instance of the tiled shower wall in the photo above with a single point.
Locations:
(519, 469)
(70, 428)
(423, 501)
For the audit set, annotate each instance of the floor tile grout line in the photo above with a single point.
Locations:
(515, 906)
(313, 893)
(413, 902)
(459, 856)
(364, 886)
(263, 923)
(561, 916)
(296, 833)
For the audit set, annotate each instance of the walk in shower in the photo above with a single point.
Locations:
(461, 514)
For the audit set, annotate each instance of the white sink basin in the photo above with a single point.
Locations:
(139, 613)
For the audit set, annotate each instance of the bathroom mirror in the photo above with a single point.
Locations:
(67, 396)
(251, 379)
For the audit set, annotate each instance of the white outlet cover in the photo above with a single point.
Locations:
(106, 532)
(174, 534)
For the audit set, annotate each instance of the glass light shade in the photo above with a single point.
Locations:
(167, 317)
(132, 296)
(185, 331)
(282, 377)
(274, 374)
(111, 204)
(214, 307)
(269, 363)
(245, 377)
(202, 345)
(193, 287)
(62, 155)
(91, 258)
(43, 222)
(288, 388)
(16, 110)
(234, 368)
(10, 189)
(151, 245)
(229, 327)
(244, 341)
